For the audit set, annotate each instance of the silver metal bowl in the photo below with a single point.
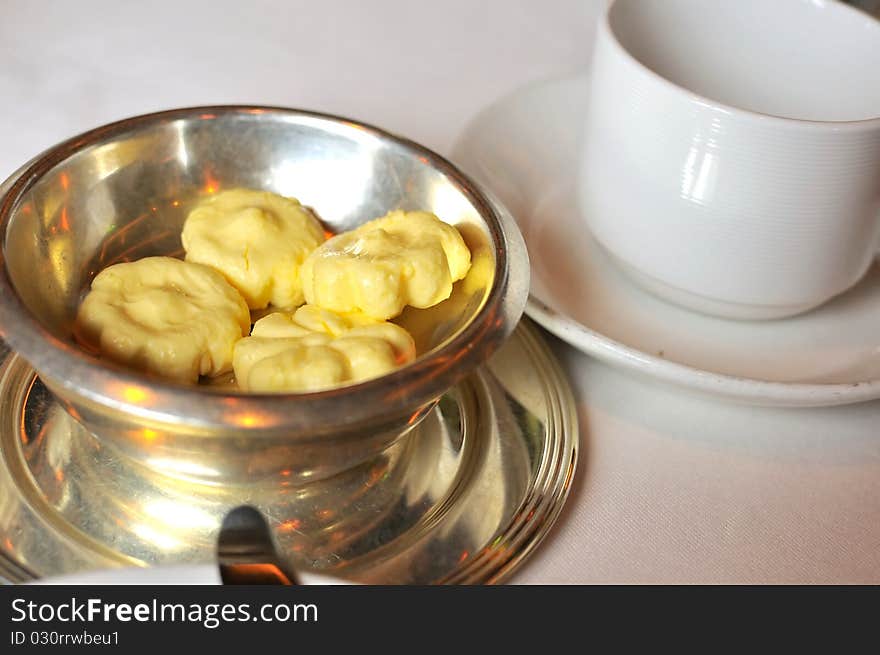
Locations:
(122, 191)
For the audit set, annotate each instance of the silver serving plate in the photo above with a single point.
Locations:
(464, 497)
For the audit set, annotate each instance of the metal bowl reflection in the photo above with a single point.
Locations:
(122, 191)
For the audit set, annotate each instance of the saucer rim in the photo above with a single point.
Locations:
(741, 389)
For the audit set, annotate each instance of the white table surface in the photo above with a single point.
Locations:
(671, 487)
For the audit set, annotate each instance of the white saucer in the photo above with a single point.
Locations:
(525, 148)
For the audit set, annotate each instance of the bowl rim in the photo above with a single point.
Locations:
(119, 389)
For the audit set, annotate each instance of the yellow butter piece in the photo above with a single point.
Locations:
(400, 259)
(314, 348)
(257, 239)
(174, 319)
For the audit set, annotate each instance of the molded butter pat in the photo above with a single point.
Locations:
(313, 349)
(167, 317)
(257, 239)
(403, 258)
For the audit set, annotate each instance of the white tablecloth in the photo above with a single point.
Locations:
(671, 487)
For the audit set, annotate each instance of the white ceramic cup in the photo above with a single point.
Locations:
(732, 150)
